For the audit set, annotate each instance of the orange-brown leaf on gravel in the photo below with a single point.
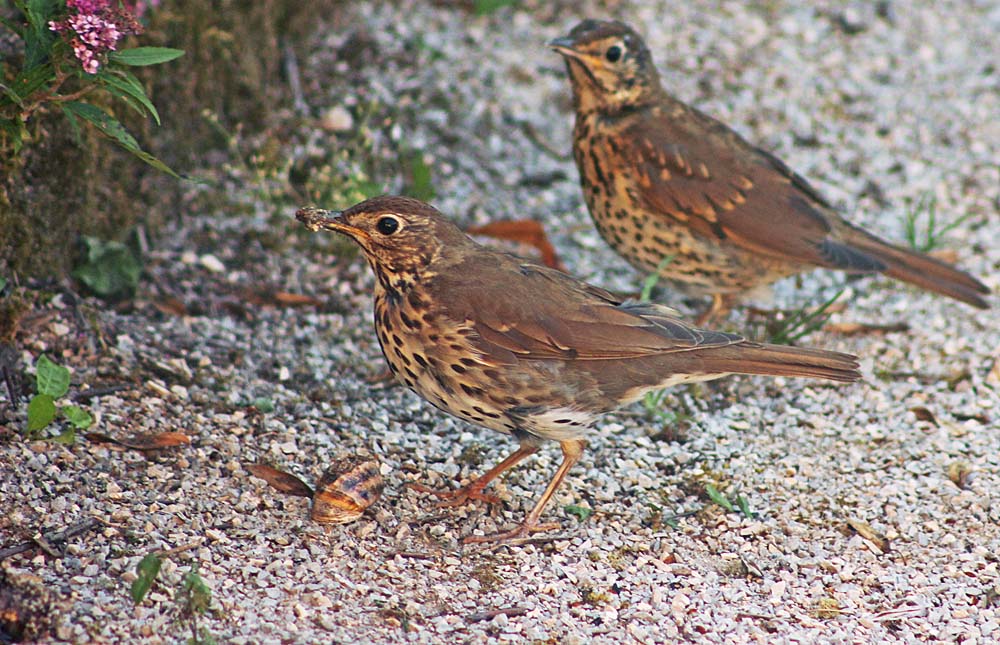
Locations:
(280, 480)
(525, 231)
(271, 298)
(143, 442)
(170, 306)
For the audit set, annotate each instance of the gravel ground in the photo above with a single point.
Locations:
(879, 104)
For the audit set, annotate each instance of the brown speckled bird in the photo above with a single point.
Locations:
(663, 180)
(528, 350)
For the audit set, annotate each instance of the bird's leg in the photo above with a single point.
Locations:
(474, 489)
(721, 305)
(572, 451)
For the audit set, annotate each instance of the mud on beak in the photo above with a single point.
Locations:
(319, 218)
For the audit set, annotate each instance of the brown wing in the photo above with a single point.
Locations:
(697, 171)
(545, 314)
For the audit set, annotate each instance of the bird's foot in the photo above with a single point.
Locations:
(459, 496)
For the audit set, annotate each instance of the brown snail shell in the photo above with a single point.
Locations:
(348, 487)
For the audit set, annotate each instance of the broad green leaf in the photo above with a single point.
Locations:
(41, 412)
(128, 85)
(3, 283)
(147, 570)
(107, 124)
(51, 379)
(67, 437)
(116, 131)
(199, 596)
(76, 415)
(145, 55)
(111, 269)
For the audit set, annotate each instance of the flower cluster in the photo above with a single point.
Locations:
(94, 28)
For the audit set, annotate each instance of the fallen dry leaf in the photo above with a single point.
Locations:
(876, 539)
(525, 231)
(924, 414)
(280, 480)
(264, 297)
(143, 442)
(170, 306)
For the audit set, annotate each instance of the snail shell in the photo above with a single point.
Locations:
(348, 487)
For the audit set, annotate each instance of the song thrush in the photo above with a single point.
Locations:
(663, 180)
(525, 349)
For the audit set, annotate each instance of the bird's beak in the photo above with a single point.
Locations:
(318, 218)
(565, 46)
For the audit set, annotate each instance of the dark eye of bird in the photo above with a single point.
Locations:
(387, 225)
(613, 54)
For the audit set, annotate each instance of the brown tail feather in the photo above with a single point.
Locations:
(923, 271)
(781, 360)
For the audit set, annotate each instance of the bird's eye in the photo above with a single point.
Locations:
(387, 225)
(613, 54)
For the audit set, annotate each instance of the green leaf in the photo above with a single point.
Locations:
(653, 278)
(263, 404)
(107, 124)
(803, 322)
(77, 416)
(111, 269)
(145, 55)
(114, 130)
(125, 84)
(38, 38)
(67, 437)
(744, 506)
(13, 26)
(3, 283)
(147, 570)
(41, 412)
(50, 378)
(197, 593)
(486, 7)
(16, 133)
(717, 497)
(32, 80)
(581, 513)
(159, 165)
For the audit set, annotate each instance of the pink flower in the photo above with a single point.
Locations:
(94, 29)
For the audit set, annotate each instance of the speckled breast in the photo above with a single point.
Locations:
(698, 265)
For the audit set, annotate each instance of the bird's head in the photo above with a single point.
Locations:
(401, 237)
(609, 66)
